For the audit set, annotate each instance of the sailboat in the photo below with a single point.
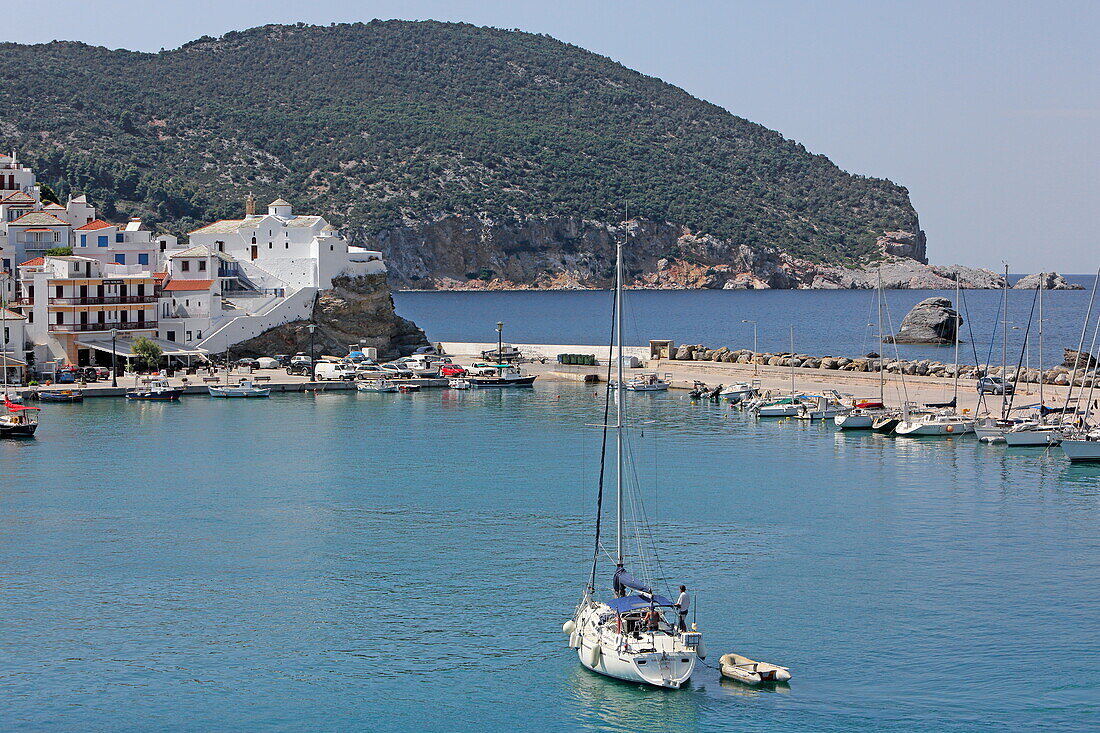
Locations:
(947, 420)
(865, 413)
(990, 429)
(1081, 439)
(1037, 431)
(18, 420)
(633, 635)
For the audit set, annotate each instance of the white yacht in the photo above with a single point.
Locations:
(1033, 433)
(634, 634)
(738, 393)
(942, 422)
(245, 389)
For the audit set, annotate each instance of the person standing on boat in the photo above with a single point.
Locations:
(682, 604)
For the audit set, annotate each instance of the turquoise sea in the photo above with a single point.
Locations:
(405, 562)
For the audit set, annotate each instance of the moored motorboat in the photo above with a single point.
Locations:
(647, 383)
(782, 407)
(1033, 433)
(825, 406)
(502, 375)
(158, 390)
(943, 423)
(861, 417)
(1082, 447)
(738, 393)
(886, 422)
(376, 385)
(244, 389)
(459, 383)
(751, 672)
(60, 395)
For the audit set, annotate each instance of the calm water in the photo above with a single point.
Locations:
(383, 562)
(827, 322)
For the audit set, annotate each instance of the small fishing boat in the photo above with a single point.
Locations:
(20, 421)
(158, 390)
(408, 388)
(60, 395)
(751, 672)
(458, 383)
(376, 385)
(245, 389)
(886, 422)
(862, 416)
(783, 407)
(507, 375)
(825, 406)
(646, 383)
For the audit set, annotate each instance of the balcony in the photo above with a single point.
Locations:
(104, 327)
(106, 300)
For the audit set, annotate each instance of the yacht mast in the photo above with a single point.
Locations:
(1041, 276)
(955, 395)
(792, 358)
(881, 372)
(1004, 346)
(619, 396)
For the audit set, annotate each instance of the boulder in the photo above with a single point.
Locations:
(1081, 359)
(684, 352)
(931, 321)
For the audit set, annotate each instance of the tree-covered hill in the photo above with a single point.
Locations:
(393, 121)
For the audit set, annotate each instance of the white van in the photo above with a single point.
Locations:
(333, 370)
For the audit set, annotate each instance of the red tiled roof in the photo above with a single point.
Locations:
(160, 275)
(95, 224)
(34, 263)
(188, 285)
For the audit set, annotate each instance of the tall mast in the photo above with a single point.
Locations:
(958, 317)
(792, 358)
(881, 372)
(1004, 346)
(1041, 276)
(3, 345)
(620, 391)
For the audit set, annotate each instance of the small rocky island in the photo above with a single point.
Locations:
(931, 321)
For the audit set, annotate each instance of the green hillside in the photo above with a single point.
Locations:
(382, 121)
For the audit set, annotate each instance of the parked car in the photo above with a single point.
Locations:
(300, 368)
(995, 385)
(452, 370)
(283, 359)
(426, 350)
(89, 373)
(300, 358)
(248, 362)
(267, 362)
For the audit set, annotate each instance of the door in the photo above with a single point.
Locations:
(255, 251)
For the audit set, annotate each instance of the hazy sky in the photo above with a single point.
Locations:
(989, 112)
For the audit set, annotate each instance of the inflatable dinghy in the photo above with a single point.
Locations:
(751, 672)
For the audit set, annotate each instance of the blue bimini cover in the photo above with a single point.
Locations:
(632, 603)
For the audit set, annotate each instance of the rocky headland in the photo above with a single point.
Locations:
(566, 253)
(356, 310)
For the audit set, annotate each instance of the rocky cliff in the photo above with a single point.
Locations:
(357, 310)
(482, 253)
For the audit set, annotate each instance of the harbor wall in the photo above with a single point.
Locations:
(549, 351)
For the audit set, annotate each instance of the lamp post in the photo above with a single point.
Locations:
(755, 350)
(500, 345)
(312, 366)
(114, 355)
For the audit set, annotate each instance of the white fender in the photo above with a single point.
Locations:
(592, 656)
(701, 650)
(569, 626)
(574, 640)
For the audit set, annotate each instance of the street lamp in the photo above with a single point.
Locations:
(114, 368)
(312, 366)
(500, 345)
(755, 350)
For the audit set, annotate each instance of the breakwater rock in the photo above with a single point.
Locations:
(356, 310)
(931, 321)
(1059, 375)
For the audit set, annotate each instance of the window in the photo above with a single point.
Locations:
(30, 316)
(102, 240)
(83, 240)
(60, 317)
(57, 291)
(143, 259)
(141, 290)
(200, 335)
(189, 336)
(185, 265)
(124, 317)
(7, 265)
(119, 237)
(120, 259)
(170, 335)
(202, 265)
(288, 245)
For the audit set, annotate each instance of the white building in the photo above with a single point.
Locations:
(129, 244)
(240, 277)
(13, 345)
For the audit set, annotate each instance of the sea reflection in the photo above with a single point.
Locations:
(610, 704)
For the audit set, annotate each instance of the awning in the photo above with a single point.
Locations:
(124, 347)
(632, 603)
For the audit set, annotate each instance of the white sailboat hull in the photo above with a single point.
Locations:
(960, 427)
(657, 659)
(777, 411)
(989, 433)
(1079, 451)
(1025, 438)
(855, 421)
